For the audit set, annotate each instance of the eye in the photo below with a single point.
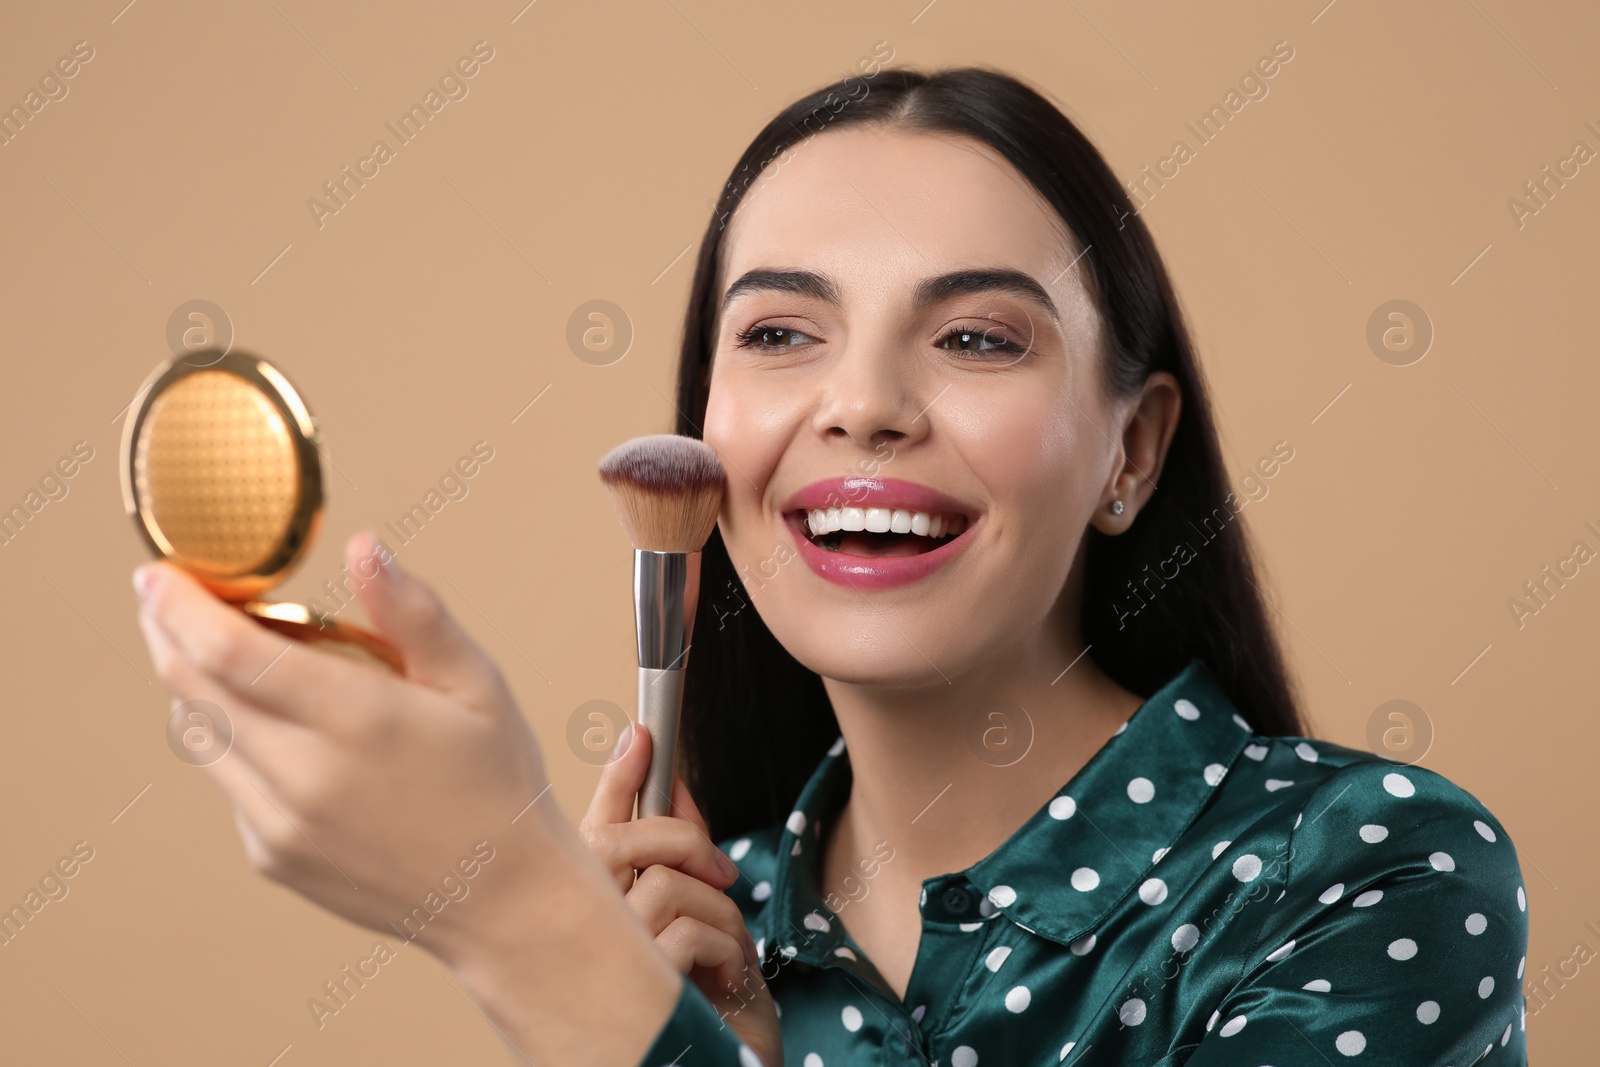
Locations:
(769, 337)
(992, 339)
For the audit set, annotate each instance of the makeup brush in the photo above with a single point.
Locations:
(667, 490)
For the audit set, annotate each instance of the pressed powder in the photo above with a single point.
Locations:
(222, 475)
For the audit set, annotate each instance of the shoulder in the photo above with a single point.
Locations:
(1400, 852)
(1401, 905)
(1352, 828)
(1373, 812)
(1335, 790)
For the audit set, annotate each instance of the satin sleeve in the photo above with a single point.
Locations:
(694, 1035)
(1400, 937)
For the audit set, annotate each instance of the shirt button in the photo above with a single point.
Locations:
(957, 900)
(911, 1038)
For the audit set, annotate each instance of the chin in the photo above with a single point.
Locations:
(869, 651)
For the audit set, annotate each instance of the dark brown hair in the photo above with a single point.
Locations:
(755, 721)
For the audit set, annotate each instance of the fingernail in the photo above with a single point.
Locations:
(623, 741)
(143, 579)
(386, 564)
(727, 865)
(384, 557)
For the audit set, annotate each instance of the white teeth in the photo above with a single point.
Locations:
(883, 520)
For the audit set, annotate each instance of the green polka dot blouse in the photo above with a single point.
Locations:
(1195, 895)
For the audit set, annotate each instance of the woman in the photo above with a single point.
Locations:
(993, 736)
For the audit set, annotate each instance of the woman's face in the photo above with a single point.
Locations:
(905, 338)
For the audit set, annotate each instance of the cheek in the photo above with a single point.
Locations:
(1040, 464)
(1034, 459)
(744, 429)
(753, 409)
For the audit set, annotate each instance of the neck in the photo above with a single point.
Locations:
(946, 773)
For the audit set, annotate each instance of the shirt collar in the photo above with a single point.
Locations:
(1065, 868)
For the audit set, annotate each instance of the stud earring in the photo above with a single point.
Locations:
(1116, 507)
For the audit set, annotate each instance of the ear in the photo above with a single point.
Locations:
(1147, 429)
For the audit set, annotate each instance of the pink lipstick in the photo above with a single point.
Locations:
(878, 533)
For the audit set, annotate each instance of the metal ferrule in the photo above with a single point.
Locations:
(666, 586)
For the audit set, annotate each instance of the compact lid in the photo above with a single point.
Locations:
(221, 470)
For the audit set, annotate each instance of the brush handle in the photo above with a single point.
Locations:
(660, 700)
(666, 587)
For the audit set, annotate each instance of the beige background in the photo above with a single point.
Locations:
(432, 309)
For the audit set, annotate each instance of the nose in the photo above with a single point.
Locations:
(871, 396)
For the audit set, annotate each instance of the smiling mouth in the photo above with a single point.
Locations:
(877, 532)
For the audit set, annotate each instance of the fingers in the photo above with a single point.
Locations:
(265, 755)
(235, 652)
(259, 772)
(191, 689)
(621, 778)
(691, 945)
(662, 895)
(407, 611)
(255, 846)
(230, 769)
(660, 841)
(263, 829)
(684, 807)
(695, 926)
(624, 845)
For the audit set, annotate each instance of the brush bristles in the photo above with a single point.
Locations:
(667, 490)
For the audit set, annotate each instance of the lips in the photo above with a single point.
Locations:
(878, 533)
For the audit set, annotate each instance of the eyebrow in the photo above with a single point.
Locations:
(798, 282)
(929, 291)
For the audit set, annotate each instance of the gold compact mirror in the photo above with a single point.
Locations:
(222, 475)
